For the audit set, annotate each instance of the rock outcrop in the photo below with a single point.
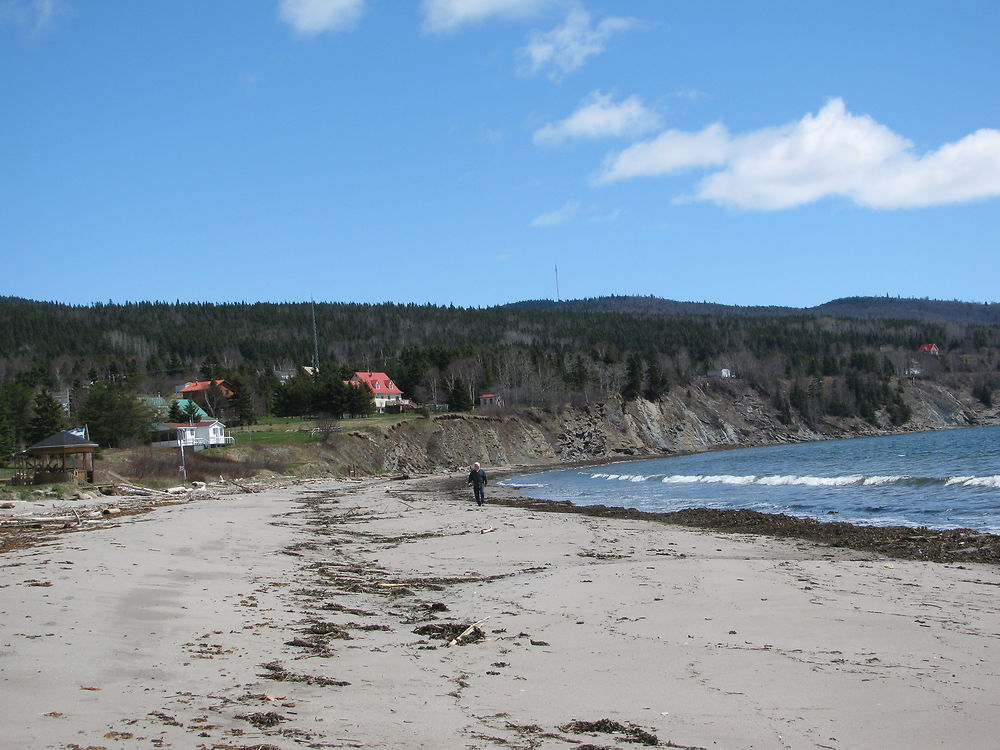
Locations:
(703, 416)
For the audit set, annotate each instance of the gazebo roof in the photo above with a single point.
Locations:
(62, 442)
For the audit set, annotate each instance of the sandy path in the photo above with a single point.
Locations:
(703, 639)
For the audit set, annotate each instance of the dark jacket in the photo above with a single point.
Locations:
(477, 477)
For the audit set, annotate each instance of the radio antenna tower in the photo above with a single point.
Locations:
(315, 338)
(557, 283)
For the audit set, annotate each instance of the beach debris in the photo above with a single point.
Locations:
(538, 643)
(632, 732)
(487, 530)
(473, 627)
(453, 632)
(328, 629)
(165, 718)
(275, 671)
(263, 720)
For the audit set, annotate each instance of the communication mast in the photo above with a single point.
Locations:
(315, 339)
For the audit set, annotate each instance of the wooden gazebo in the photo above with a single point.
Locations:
(63, 457)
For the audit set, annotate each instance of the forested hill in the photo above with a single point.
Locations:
(846, 359)
(261, 334)
(885, 308)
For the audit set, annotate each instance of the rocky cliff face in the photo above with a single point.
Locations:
(703, 416)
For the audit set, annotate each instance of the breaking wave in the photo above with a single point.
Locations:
(792, 480)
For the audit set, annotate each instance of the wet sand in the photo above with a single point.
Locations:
(320, 616)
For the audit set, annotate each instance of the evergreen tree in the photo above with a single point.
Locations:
(784, 407)
(242, 402)
(115, 415)
(360, 400)
(174, 412)
(633, 378)
(458, 397)
(47, 418)
(983, 390)
(210, 368)
(7, 444)
(15, 409)
(657, 383)
(295, 397)
(191, 412)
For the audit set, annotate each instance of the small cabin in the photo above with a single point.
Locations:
(196, 435)
(929, 349)
(723, 373)
(490, 399)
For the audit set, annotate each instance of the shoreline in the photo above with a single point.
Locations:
(901, 542)
(320, 615)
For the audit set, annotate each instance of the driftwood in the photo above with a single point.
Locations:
(134, 489)
(468, 630)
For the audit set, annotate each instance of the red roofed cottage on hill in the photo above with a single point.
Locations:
(385, 391)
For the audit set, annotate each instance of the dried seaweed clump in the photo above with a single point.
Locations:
(631, 732)
(264, 720)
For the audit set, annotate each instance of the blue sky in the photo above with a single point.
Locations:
(457, 151)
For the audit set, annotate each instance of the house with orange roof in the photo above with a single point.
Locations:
(198, 391)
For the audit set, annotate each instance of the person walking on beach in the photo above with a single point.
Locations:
(477, 480)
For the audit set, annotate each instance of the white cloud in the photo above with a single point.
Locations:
(38, 14)
(448, 15)
(310, 17)
(670, 151)
(600, 117)
(557, 217)
(567, 47)
(831, 153)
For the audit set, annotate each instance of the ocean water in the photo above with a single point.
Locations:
(942, 479)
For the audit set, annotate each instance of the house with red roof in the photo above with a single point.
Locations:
(929, 349)
(383, 389)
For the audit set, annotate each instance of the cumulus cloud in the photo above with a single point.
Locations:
(600, 117)
(670, 151)
(830, 153)
(568, 46)
(559, 216)
(310, 17)
(442, 16)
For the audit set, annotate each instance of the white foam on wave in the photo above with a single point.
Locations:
(993, 481)
(888, 479)
(621, 477)
(779, 480)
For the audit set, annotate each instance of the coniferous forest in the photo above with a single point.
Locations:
(847, 358)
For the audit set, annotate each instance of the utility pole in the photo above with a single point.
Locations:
(183, 467)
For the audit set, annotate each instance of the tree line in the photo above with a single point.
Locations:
(810, 366)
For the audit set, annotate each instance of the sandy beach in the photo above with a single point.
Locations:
(321, 616)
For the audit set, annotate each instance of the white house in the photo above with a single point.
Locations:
(723, 373)
(196, 435)
(383, 389)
